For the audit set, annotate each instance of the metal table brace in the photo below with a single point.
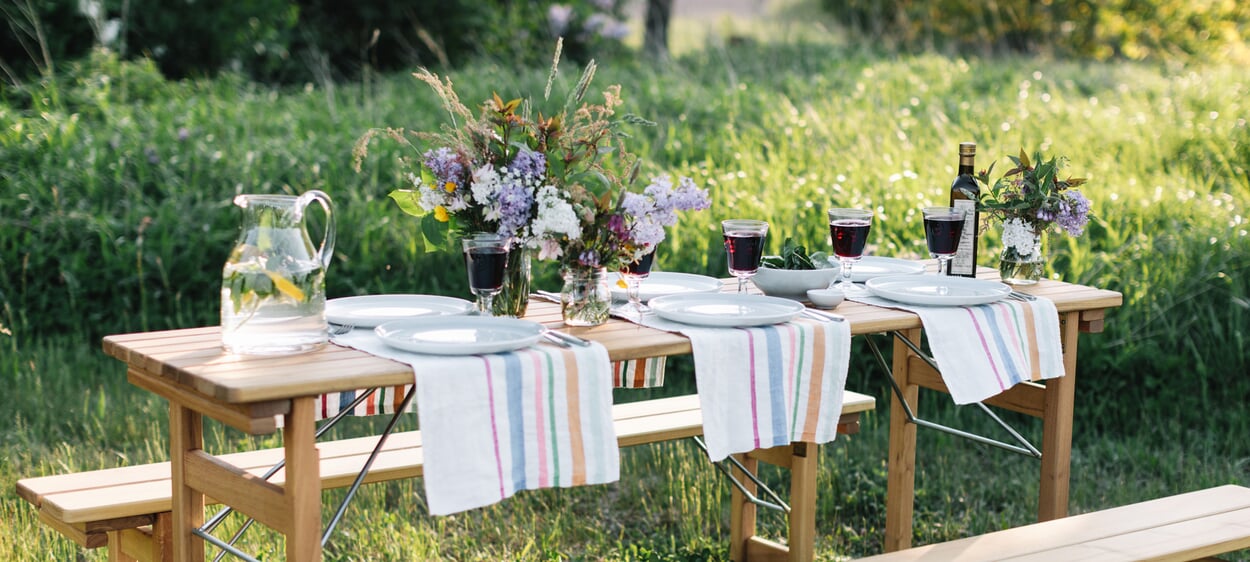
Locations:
(227, 547)
(1025, 448)
(777, 503)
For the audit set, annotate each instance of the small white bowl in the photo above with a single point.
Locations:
(792, 283)
(826, 298)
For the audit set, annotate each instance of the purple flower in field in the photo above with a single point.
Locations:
(558, 17)
(445, 165)
(153, 157)
(183, 134)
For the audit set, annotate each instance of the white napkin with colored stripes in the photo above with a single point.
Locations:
(766, 386)
(983, 350)
(538, 417)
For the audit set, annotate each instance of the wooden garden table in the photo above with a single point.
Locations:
(190, 369)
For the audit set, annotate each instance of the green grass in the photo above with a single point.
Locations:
(110, 223)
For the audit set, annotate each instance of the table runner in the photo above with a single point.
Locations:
(493, 424)
(983, 350)
(765, 386)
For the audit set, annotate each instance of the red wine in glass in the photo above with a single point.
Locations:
(486, 267)
(744, 246)
(485, 257)
(633, 273)
(746, 249)
(849, 237)
(848, 228)
(642, 267)
(943, 227)
(943, 232)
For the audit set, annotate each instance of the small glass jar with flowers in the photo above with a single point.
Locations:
(558, 185)
(1031, 200)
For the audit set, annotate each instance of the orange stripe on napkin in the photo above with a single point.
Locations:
(640, 373)
(816, 381)
(576, 451)
(1030, 337)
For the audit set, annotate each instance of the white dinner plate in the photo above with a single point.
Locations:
(459, 335)
(370, 310)
(871, 267)
(725, 309)
(663, 283)
(939, 290)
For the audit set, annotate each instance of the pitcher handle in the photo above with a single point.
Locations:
(326, 251)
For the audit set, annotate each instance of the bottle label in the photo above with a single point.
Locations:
(964, 262)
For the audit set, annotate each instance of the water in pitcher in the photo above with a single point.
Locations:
(273, 298)
(273, 308)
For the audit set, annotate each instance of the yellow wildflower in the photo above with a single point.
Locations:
(449, 187)
(440, 214)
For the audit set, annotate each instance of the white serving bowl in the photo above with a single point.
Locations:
(825, 298)
(792, 283)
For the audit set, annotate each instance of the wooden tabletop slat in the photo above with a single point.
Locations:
(194, 357)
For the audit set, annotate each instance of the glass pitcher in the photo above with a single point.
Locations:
(273, 296)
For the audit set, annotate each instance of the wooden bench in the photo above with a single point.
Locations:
(1190, 526)
(127, 509)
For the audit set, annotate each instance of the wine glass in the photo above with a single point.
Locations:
(943, 227)
(744, 242)
(849, 230)
(634, 272)
(485, 258)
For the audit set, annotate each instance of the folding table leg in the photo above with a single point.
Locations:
(742, 512)
(185, 436)
(901, 464)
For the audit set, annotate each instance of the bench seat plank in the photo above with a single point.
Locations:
(1181, 527)
(107, 498)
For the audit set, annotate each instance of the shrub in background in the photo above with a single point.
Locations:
(1132, 29)
(302, 40)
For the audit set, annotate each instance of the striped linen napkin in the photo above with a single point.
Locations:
(766, 386)
(538, 417)
(983, 350)
(634, 373)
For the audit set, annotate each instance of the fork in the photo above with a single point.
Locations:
(822, 315)
(340, 329)
(1025, 297)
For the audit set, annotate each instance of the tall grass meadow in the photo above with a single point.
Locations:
(115, 216)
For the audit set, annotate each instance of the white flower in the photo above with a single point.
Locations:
(485, 183)
(555, 216)
(1018, 237)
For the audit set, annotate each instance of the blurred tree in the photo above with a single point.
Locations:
(655, 42)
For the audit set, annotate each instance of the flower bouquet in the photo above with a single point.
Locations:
(1030, 201)
(559, 184)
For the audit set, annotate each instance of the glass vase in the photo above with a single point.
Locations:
(586, 297)
(514, 297)
(1022, 261)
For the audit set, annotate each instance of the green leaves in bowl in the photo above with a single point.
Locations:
(794, 256)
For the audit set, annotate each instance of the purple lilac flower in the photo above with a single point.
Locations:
(1073, 213)
(445, 165)
(515, 202)
(588, 258)
(529, 164)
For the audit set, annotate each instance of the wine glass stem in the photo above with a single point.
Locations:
(742, 284)
(845, 273)
(484, 302)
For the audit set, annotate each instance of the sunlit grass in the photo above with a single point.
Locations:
(116, 217)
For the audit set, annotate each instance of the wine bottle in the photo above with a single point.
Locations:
(964, 194)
